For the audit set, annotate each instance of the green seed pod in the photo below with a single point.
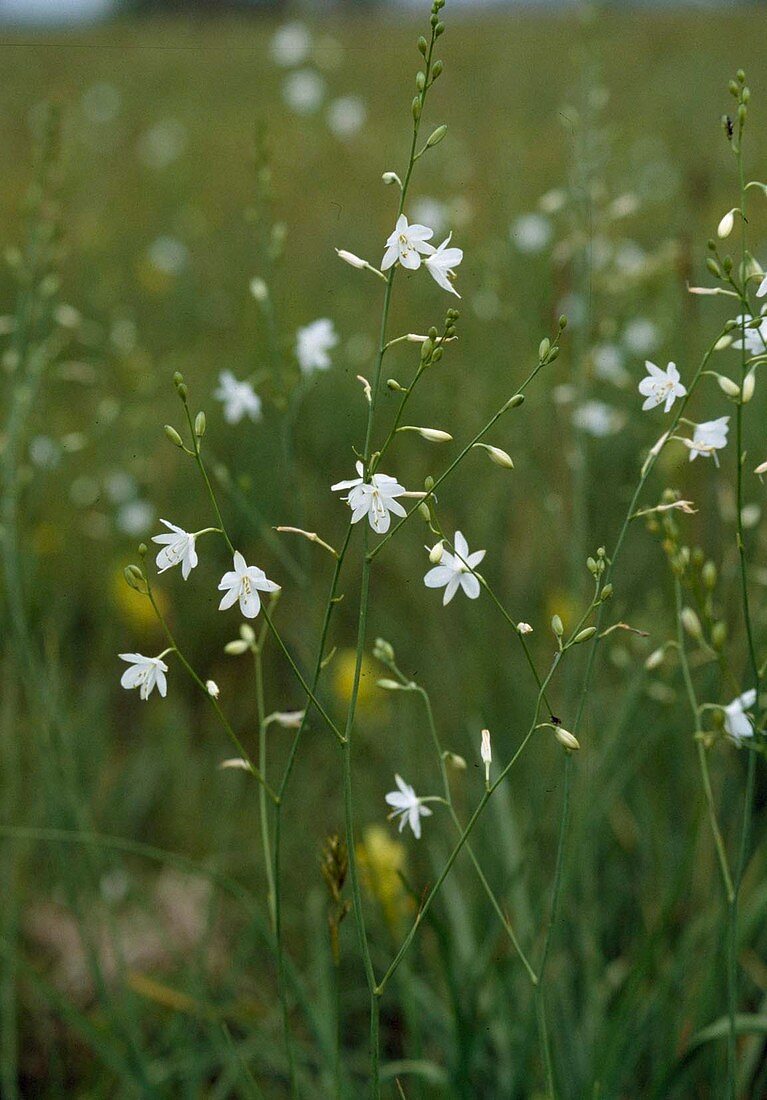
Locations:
(606, 593)
(515, 401)
(416, 108)
(200, 424)
(584, 635)
(557, 626)
(713, 267)
(436, 69)
(544, 348)
(423, 45)
(439, 29)
(553, 354)
(423, 509)
(134, 578)
(420, 80)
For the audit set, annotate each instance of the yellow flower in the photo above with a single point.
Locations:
(381, 860)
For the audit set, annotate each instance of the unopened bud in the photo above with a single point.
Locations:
(713, 267)
(200, 424)
(726, 385)
(749, 385)
(350, 258)
(391, 177)
(606, 592)
(423, 509)
(416, 108)
(134, 578)
(237, 647)
(725, 226)
(691, 622)
(383, 650)
(212, 689)
(389, 685)
(708, 573)
(557, 626)
(173, 436)
(584, 635)
(655, 659)
(498, 456)
(567, 739)
(436, 69)
(544, 348)
(436, 552)
(433, 435)
(454, 760)
(436, 136)
(718, 634)
(515, 401)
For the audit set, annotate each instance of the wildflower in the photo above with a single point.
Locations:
(440, 265)
(727, 223)
(238, 398)
(661, 385)
(761, 469)
(531, 233)
(524, 628)
(762, 288)
(287, 719)
(408, 807)
(243, 583)
(177, 549)
(375, 499)
(753, 339)
(145, 673)
(313, 342)
(708, 438)
(350, 258)
(454, 571)
(736, 721)
(486, 752)
(407, 244)
(212, 689)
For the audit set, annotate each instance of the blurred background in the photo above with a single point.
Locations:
(199, 161)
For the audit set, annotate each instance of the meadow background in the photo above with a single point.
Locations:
(126, 972)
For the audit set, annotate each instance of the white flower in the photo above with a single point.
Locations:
(754, 339)
(661, 385)
(408, 807)
(762, 289)
(407, 244)
(453, 571)
(145, 673)
(212, 689)
(287, 719)
(313, 342)
(291, 44)
(374, 499)
(238, 398)
(177, 549)
(346, 116)
(243, 583)
(303, 91)
(531, 233)
(708, 438)
(524, 628)
(736, 721)
(598, 419)
(440, 265)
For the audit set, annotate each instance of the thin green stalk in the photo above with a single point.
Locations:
(262, 805)
(702, 758)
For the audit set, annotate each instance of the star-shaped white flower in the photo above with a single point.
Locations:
(408, 807)
(754, 339)
(145, 673)
(243, 583)
(661, 386)
(736, 721)
(407, 244)
(375, 499)
(708, 438)
(238, 398)
(454, 571)
(313, 343)
(177, 549)
(441, 264)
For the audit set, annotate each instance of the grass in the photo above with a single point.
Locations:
(135, 931)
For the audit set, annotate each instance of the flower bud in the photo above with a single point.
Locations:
(436, 69)
(433, 435)
(247, 633)
(524, 628)
(173, 436)
(515, 401)
(236, 648)
(350, 258)
(486, 753)
(718, 634)
(726, 385)
(584, 635)
(134, 578)
(436, 552)
(557, 626)
(391, 177)
(436, 136)
(423, 45)
(749, 385)
(389, 685)
(496, 455)
(423, 510)
(200, 424)
(212, 689)
(726, 225)
(544, 348)
(708, 574)
(691, 623)
(713, 267)
(655, 659)
(383, 650)
(259, 290)
(416, 108)
(606, 593)
(567, 739)
(454, 760)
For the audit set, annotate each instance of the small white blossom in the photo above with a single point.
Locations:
(661, 386)
(243, 583)
(177, 549)
(287, 719)
(454, 571)
(212, 689)
(753, 339)
(145, 673)
(524, 628)
(350, 258)
(407, 244)
(708, 438)
(313, 343)
(441, 264)
(375, 499)
(727, 223)
(762, 288)
(408, 807)
(238, 398)
(736, 721)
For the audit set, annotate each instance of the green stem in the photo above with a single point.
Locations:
(263, 808)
